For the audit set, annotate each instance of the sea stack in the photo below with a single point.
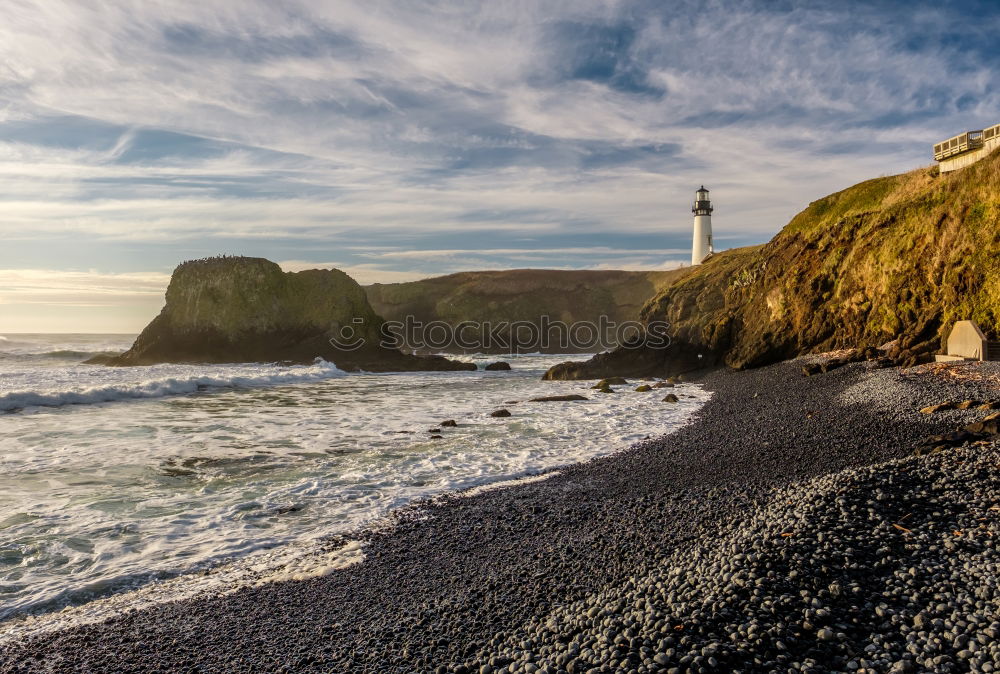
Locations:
(701, 244)
(245, 309)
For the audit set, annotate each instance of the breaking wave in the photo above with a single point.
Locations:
(158, 387)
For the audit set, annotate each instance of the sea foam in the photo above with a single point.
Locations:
(100, 499)
(248, 376)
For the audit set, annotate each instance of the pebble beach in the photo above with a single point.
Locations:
(788, 528)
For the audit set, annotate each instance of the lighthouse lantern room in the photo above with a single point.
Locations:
(701, 245)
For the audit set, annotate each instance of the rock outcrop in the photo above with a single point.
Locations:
(240, 309)
(896, 259)
(519, 304)
(635, 359)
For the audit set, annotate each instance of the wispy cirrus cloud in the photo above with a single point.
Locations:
(54, 285)
(60, 300)
(510, 133)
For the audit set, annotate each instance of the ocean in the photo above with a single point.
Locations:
(114, 479)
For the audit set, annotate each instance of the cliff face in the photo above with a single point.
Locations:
(522, 296)
(240, 309)
(895, 258)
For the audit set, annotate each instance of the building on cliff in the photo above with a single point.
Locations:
(701, 244)
(966, 148)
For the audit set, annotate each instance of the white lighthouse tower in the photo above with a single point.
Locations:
(701, 245)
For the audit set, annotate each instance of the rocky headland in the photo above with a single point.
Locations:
(892, 260)
(520, 304)
(242, 309)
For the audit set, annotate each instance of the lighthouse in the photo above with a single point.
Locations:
(701, 245)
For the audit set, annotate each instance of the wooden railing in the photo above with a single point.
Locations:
(970, 140)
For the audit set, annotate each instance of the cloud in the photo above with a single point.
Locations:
(321, 130)
(520, 253)
(53, 285)
(58, 300)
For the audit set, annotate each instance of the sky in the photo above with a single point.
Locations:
(400, 140)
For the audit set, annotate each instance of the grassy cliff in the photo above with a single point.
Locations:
(523, 295)
(895, 258)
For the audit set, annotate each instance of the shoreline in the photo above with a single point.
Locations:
(291, 463)
(289, 561)
(288, 554)
(450, 583)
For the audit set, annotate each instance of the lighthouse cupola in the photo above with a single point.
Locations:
(702, 205)
(701, 243)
